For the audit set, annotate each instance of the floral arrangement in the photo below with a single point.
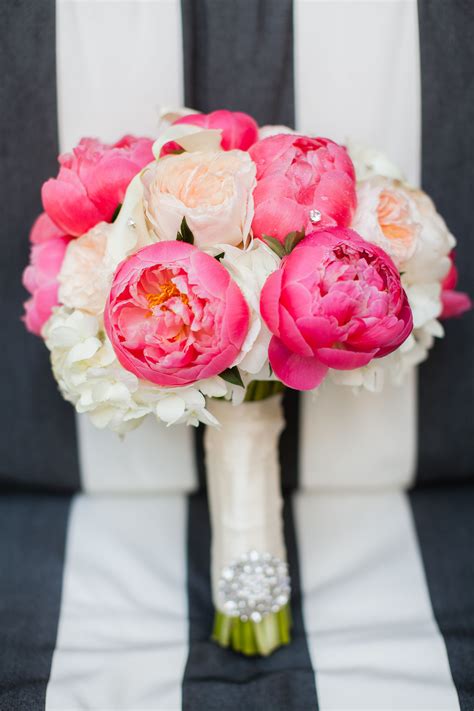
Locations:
(219, 264)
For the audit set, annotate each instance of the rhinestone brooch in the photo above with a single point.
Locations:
(254, 586)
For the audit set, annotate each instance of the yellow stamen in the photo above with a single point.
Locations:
(167, 291)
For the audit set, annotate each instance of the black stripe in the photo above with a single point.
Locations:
(239, 55)
(217, 679)
(446, 425)
(38, 442)
(445, 526)
(32, 540)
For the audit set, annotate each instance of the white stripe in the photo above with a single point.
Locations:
(372, 636)
(122, 638)
(117, 62)
(359, 440)
(357, 76)
(152, 458)
(373, 639)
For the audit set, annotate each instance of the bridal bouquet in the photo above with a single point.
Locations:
(194, 277)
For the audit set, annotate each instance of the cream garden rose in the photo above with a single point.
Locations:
(212, 189)
(403, 221)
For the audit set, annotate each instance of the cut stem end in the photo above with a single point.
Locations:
(253, 638)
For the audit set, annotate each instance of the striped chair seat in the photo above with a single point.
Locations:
(105, 599)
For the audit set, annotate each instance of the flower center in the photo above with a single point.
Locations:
(167, 291)
(393, 216)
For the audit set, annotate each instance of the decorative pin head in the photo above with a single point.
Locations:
(254, 586)
(314, 216)
(131, 223)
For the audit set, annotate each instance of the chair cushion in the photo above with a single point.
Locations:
(97, 611)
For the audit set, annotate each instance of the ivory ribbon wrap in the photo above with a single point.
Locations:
(243, 478)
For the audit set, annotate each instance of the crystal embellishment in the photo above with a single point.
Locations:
(314, 216)
(131, 223)
(254, 586)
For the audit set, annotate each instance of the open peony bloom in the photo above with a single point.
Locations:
(239, 130)
(174, 316)
(92, 180)
(302, 183)
(44, 229)
(40, 278)
(336, 302)
(213, 190)
(454, 302)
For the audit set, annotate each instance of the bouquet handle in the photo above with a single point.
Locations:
(250, 584)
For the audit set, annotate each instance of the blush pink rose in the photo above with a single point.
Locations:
(454, 302)
(92, 181)
(297, 175)
(174, 316)
(239, 130)
(40, 278)
(336, 302)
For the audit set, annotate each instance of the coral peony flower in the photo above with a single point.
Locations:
(336, 302)
(213, 190)
(454, 302)
(174, 316)
(40, 278)
(300, 178)
(239, 130)
(92, 180)
(44, 229)
(85, 276)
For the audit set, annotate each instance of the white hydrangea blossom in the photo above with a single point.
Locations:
(92, 379)
(369, 162)
(250, 268)
(273, 130)
(392, 368)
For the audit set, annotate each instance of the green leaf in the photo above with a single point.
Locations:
(274, 245)
(219, 256)
(185, 234)
(232, 375)
(116, 213)
(292, 239)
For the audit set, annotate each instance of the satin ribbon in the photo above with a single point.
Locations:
(243, 478)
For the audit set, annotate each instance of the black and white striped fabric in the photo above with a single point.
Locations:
(105, 601)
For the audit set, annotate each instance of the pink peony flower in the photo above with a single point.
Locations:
(44, 229)
(299, 178)
(174, 316)
(239, 130)
(454, 302)
(40, 278)
(336, 302)
(92, 180)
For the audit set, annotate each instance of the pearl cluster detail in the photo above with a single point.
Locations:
(254, 586)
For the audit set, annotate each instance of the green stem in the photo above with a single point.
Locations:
(262, 389)
(253, 638)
